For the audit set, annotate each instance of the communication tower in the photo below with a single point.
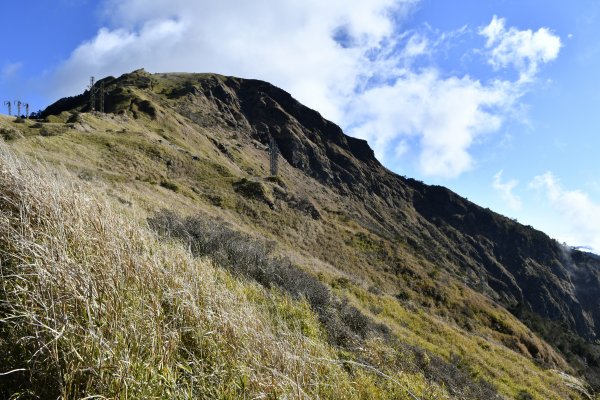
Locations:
(92, 94)
(18, 104)
(274, 157)
(102, 97)
(93, 90)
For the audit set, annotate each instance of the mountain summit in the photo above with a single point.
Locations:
(419, 265)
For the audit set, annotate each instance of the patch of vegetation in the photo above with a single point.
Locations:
(10, 133)
(52, 130)
(75, 117)
(146, 107)
(303, 205)
(169, 185)
(254, 190)
(347, 327)
(583, 355)
(254, 258)
(277, 180)
(92, 306)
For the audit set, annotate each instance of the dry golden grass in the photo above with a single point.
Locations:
(92, 305)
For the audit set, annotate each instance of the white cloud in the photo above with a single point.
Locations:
(446, 114)
(417, 45)
(367, 83)
(525, 50)
(401, 148)
(506, 191)
(10, 70)
(581, 215)
(493, 31)
(288, 43)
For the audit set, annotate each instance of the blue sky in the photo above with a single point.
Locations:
(497, 100)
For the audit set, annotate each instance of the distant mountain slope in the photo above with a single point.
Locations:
(522, 266)
(402, 250)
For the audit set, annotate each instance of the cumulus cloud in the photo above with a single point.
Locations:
(524, 50)
(506, 191)
(580, 213)
(291, 44)
(445, 115)
(448, 115)
(349, 59)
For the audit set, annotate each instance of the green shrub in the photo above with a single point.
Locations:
(75, 117)
(10, 133)
(169, 185)
(254, 190)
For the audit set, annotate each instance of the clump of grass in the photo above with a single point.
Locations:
(49, 130)
(169, 185)
(254, 190)
(10, 133)
(93, 305)
(75, 117)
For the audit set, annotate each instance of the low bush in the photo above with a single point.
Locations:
(10, 133)
(75, 117)
(169, 185)
(255, 259)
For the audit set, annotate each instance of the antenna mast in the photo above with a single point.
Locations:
(92, 94)
(9, 105)
(273, 155)
(102, 97)
(26, 110)
(18, 103)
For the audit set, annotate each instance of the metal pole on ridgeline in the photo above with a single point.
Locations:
(18, 104)
(273, 157)
(92, 94)
(102, 97)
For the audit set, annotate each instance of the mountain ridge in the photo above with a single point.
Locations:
(321, 150)
(418, 242)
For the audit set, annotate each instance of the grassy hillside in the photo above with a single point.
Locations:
(92, 305)
(249, 285)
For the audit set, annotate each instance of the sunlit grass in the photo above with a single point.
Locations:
(93, 305)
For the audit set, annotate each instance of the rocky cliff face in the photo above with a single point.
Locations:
(517, 266)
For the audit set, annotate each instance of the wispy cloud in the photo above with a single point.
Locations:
(524, 50)
(580, 213)
(9, 70)
(417, 45)
(506, 191)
